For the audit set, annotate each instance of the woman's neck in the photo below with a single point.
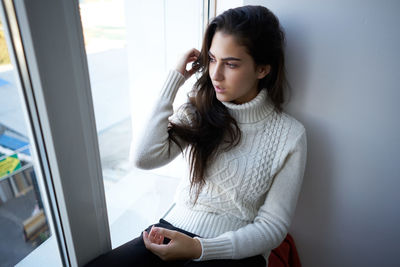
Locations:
(252, 111)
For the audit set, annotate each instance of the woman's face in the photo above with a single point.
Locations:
(233, 71)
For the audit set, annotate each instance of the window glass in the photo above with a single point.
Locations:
(24, 219)
(131, 46)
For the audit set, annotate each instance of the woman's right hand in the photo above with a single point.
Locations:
(190, 56)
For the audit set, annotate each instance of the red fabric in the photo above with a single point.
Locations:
(285, 255)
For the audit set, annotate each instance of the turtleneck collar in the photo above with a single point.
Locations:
(255, 110)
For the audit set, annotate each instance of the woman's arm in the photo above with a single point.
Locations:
(266, 232)
(154, 148)
(273, 219)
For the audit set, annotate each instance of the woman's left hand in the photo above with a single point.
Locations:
(180, 247)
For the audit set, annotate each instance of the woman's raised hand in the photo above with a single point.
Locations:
(181, 246)
(188, 57)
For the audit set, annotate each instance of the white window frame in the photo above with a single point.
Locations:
(49, 54)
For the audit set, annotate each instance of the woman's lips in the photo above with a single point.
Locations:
(219, 89)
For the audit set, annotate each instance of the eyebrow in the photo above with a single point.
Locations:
(226, 58)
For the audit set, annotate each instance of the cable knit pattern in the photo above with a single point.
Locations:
(246, 205)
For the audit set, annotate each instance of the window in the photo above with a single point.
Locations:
(26, 222)
(130, 46)
(47, 52)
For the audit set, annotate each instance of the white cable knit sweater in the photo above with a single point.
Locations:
(247, 203)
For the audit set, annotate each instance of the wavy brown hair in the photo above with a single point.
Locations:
(212, 128)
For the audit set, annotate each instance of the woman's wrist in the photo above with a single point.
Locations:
(197, 252)
(180, 71)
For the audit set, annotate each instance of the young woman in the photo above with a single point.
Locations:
(246, 157)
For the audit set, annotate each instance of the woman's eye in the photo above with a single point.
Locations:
(231, 65)
(211, 59)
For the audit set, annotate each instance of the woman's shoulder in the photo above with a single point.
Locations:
(293, 128)
(295, 124)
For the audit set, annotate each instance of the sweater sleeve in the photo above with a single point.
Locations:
(154, 149)
(271, 224)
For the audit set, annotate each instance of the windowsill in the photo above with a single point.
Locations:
(37, 258)
(138, 200)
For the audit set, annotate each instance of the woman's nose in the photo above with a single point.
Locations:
(217, 74)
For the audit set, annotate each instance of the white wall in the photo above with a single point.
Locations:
(343, 62)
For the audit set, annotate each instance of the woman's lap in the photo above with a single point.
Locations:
(134, 253)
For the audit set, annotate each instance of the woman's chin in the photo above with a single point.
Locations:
(223, 97)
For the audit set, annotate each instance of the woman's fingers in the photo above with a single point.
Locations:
(146, 240)
(158, 249)
(171, 234)
(190, 56)
(192, 53)
(181, 246)
(155, 237)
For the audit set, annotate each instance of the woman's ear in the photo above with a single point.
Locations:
(263, 70)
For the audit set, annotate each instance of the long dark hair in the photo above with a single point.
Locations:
(211, 127)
